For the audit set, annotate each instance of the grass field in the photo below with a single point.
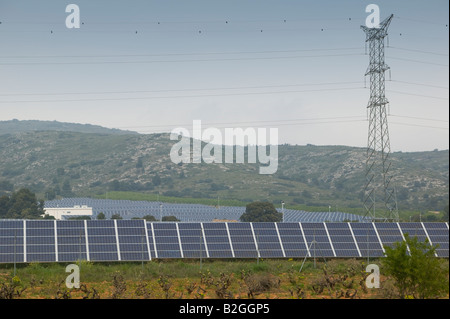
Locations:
(195, 279)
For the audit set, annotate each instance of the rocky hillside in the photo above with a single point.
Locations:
(72, 163)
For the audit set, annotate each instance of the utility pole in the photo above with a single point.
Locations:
(378, 186)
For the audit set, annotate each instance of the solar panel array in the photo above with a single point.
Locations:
(138, 240)
(188, 212)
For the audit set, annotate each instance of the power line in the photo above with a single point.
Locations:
(424, 21)
(420, 84)
(419, 118)
(270, 125)
(419, 125)
(272, 122)
(178, 96)
(182, 61)
(182, 90)
(421, 95)
(418, 51)
(417, 61)
(176, 54)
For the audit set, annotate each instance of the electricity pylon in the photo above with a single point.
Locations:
(380, 200)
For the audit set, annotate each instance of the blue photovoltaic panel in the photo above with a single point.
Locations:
(102, 240)
(438, 233)
(292, 239)
(342, 239)
(242, 240)
(166, 239)
(132, 240)
(11, 241)
(267, 240)
(129, 241)
(192, 240)
(317, 240)
(217, 240)
(40, 241)
(414, 230)
(389, 233)
(367, 240)
(71, 240)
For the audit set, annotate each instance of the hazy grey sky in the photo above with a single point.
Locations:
(152, 66)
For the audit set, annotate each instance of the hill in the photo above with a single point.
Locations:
(63, 163)
(16, 126)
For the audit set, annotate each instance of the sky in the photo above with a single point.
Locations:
(298, 66)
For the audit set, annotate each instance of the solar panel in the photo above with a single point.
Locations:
(166, 240)
(189, 212)
(192, 240)
(243, 240)
(40, 241)
(102, 240)
(389, 233)
(133, 239)
(11, 241)
(343, 240)
(292, 240)
(218, 241)
(438, 234)
(317, 239)
(71, 240)
(367, 239)
(268, 240)
(414, 230)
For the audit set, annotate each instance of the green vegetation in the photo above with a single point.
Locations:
(416, 272)
(261, 212)
(191, 279)
(21, 205)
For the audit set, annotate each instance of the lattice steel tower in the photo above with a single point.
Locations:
(380, 200)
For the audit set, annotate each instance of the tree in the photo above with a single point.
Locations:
(170, 219)
(23, 205)
(101, 216)
(418, 273)
(116, 216)
(261, 212)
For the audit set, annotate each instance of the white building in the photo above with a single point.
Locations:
(67, 212)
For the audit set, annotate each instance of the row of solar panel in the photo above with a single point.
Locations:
(189, 212)
(136, 240)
